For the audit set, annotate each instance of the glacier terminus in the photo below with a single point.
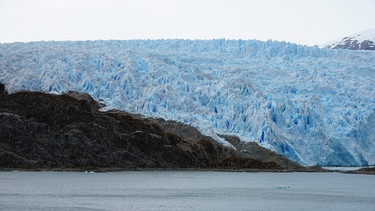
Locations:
(315, 106)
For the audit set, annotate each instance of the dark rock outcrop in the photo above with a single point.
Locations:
(2, 90)
(352, 44)
(44, 131)
(253, 150)
(364, 40)
(366, 170)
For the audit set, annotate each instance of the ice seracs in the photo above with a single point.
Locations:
(315, 106)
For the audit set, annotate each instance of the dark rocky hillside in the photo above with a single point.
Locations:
(45, 131)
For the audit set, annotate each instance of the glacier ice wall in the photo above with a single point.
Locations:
(315, 106)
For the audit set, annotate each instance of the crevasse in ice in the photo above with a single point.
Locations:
(315, 106)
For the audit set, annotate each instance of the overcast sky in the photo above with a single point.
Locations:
(306, 22)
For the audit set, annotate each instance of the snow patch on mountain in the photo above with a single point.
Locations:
(315, 106)
(359, 41)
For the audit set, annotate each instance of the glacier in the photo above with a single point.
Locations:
(315, 106)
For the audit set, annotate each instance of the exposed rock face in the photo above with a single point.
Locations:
(351, 44)
(44, 131)
(253, 150)
(2, 90)
(369, 170)
(360, 41)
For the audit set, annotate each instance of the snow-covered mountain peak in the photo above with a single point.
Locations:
(364, 40)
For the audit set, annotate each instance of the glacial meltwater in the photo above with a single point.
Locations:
(185, 190)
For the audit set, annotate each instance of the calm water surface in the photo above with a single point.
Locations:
(185, 190)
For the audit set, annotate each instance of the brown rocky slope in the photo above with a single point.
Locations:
(45, 131)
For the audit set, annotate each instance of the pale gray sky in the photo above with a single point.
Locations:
(306, 22)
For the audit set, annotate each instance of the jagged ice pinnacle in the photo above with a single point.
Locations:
(315, 106)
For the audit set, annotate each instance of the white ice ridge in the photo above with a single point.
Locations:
(315, 106)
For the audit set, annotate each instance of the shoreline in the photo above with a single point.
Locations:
(312, 169)
(104, 170)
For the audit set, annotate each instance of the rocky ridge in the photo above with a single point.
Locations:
(360, 41)
(62, 132)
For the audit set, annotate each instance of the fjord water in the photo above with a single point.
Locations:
(185, 190)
